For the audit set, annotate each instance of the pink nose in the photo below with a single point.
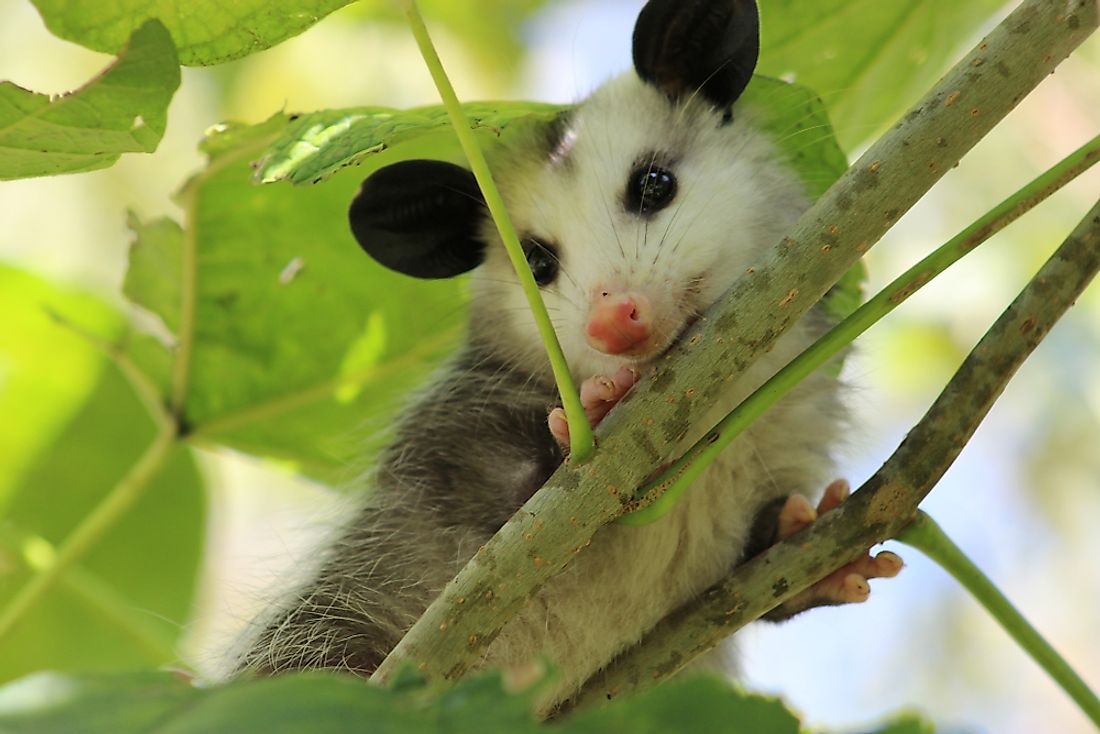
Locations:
(619, 322)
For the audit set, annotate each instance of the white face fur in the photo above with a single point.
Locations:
(734, 198)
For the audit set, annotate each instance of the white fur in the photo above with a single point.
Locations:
(735, 199)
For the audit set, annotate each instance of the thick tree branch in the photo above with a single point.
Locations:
(886, 502)
(543, 537)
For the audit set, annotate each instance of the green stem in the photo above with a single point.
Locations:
(673, 482)
(927, 537)
(91, 529)
(580, 432)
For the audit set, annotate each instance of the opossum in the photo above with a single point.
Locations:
(637, 209)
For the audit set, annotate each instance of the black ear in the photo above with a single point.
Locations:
(420, 218)
(709, 46)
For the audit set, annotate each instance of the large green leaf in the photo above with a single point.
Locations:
(127, 602)
(321, 704)
(204, 31)
(123, 111)
(868, 59)
(294, 337)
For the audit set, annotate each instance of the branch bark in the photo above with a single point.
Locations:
(545, 534)
(887, 502)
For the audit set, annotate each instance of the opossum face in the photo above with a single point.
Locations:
(636, 210)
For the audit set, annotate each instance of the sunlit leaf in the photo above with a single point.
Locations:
(204, 31)
(316, 145)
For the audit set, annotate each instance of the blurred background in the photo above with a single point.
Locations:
(1021, 499)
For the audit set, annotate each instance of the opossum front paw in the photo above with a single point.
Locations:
(846, 585)
(599, 394)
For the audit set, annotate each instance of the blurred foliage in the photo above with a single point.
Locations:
(129, 600)
(869, 60)
(54, 704)
(493, 29)
(124, 110)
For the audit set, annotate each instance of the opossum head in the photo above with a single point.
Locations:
(636, 209)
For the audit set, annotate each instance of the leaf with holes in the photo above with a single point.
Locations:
(123, 111)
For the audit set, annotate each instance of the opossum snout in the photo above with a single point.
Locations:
(619, 323)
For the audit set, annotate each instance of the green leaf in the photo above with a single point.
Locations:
(868, 59)
(122, 111)
(316, 145)
(323, 704)
(205, 31)
(910, 724)
(319, 703)
(691, 704)
(48, 704)
(127, 602)
(295, 335)
(51, 703)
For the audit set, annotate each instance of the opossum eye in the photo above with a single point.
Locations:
(649, 189)
(543, 261)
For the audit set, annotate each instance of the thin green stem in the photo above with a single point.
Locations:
(580, 432)
(91, 529)
(927, 537)
(667, 489)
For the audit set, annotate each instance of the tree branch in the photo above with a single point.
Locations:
(545, 534)
(887, 502)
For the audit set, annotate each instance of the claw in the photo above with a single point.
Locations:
(849, 583)
(599, 394)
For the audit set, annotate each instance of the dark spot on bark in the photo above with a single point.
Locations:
(866, 179)
(1002, 69)
(663, 380)
(779, 588)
